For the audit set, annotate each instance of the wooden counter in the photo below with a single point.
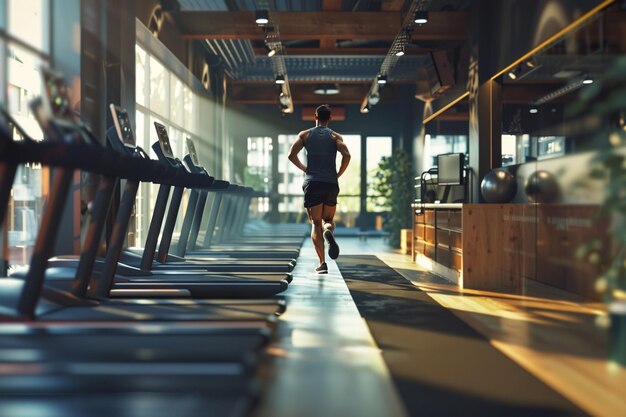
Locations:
(498, 246)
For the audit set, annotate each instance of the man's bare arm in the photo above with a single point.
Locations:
(345, 154)
(295, 150)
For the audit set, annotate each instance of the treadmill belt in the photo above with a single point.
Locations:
(134, 404)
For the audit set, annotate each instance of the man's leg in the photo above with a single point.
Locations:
(328, 214)
(315, 216)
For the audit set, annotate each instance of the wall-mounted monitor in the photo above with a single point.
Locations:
(450, 168)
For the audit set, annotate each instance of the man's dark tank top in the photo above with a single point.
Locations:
(321, 151)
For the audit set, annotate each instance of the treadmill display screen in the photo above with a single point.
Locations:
(123, 126)
(192, 152)
(164, 140)
(57, 95)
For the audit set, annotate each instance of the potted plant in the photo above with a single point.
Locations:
(393, 182)
(606, 100)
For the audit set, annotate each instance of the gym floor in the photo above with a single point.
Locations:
(325, 360)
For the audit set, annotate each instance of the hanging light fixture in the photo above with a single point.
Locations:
(587, 80)
(382, 79)
(514, 73)
(271, 53)
(326, 89)
(280, 79)
(262, 17)
(421, 17)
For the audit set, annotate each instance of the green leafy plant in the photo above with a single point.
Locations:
(605, 100)
(394, 182)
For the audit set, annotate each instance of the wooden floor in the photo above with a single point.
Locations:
(325, 362)
(557, 336)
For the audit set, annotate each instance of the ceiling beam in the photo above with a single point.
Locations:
(343, 51)
(268, 82)
(302, 94)
(320, 25)
(330, 6)
(391, 5)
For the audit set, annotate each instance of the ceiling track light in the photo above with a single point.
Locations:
(373, 99)
(421, 17)
(587, 80)
(280, 79)
(514, 72)
(395, 51)
(262, 17)
(271, 53)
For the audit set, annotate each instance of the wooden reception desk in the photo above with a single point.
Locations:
(498, 246)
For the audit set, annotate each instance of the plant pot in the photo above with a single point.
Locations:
(617, 332)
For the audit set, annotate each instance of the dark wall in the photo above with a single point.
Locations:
(523, 24)
(169, 33)
(512, 28)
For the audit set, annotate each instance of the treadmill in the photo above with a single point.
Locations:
(230, 216)
(146, 341)
(171, 283)
(78, 334)
(164, 261)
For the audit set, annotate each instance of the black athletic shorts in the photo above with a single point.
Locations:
(317, 192)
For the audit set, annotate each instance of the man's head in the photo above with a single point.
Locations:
(322, 113)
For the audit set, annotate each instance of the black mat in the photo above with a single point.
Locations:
(440, 365)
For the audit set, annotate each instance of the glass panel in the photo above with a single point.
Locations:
(27, 21)
(290, 178)
(28, 193)
(347, 211)
(140, 75)
(176, 142)
(190, 107)
(176, 101)
(376, 147)
(509, 149)
(258, 171)
(438, 144)
(349, 202)
(24, 79)
(159, 87)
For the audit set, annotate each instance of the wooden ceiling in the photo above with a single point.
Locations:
(442, 26)
(334, 31)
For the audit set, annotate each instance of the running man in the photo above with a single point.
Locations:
(320, 182)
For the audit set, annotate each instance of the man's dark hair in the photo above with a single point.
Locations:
(323, 113)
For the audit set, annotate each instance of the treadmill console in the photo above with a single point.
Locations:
(124, 129)
(192, 152)
(164, 140)
(57, 94)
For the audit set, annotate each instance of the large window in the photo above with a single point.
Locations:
(161, 96)
(438, 144)
(258, 172)
(349, 202)
(376, 148)
(27, 22)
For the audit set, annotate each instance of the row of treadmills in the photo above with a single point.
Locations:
(174, 329)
